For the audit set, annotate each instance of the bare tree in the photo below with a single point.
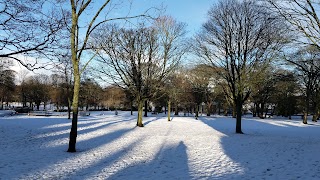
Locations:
(303, 15)
(29, 29)
(141, 59)
(79, 41)
(238, 37)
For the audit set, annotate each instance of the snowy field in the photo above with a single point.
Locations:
(111, 147)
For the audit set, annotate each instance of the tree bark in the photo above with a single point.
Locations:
(169, 110)
(74, 125)
(305, 118)
(140, 112)
(261, 111)
(131, 109)
(75, 63)
(209, 108)
(197, 111)
(146, 108)
(69, 108)
(234, 111)
(238, 116)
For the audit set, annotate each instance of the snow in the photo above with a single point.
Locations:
(111, 147)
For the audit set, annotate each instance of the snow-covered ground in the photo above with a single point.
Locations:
(111, 147)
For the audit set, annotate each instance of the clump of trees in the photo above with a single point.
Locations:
(239, 49)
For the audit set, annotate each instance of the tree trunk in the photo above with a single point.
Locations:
(75, 104)
(315, 113)
(140, 112)
(234, 111)
(169, 110)
(239, 116)
(146, 108)
(1, 103)
(209, 107)
(261, 111)
(305, 118)
(197, 111)
(314, 117)
(131, 109)
(69, 108)
(305, 113)
(254, 113)
(38, 106)
(176, 112)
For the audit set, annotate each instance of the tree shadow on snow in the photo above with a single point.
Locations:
(266, 150)
(31, 155)
(169, 163)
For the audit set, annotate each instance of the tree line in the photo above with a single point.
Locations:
(261, 56)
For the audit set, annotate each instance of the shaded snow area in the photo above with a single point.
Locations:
(111, 147)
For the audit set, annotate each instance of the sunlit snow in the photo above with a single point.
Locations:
(111, 147)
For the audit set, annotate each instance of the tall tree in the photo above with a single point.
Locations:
(238, 37)
(79, 42)
(140, 59)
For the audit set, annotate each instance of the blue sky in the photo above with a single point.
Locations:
(192, 12)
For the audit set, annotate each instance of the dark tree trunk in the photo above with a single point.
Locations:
(73, 132)
(176, 112)
(146, 108)
(234, 111)
(239, 116)
(197, 111)
(169, 110)
(209, 108)
(131, 109)
(261, 111)
(254, 113)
